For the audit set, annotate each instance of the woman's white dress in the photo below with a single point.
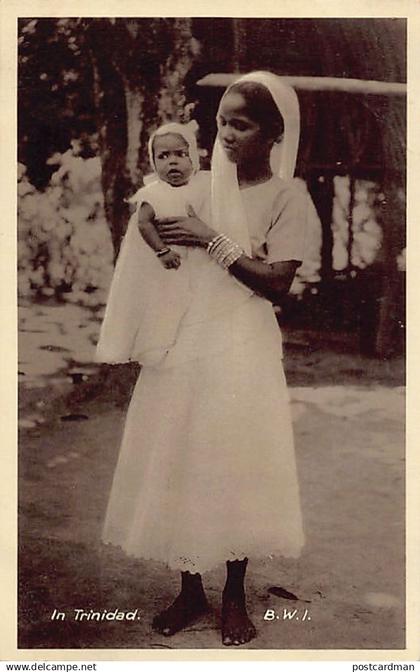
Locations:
(206, 471)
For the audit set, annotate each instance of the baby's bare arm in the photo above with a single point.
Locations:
(146, 226)
(148, 230)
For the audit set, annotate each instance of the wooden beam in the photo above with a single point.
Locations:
(303, 83)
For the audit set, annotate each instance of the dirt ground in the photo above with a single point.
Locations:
(349, 428)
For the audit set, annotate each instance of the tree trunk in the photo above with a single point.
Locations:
(113, 132)
(134, 101)
(240, 41)
(174, 71)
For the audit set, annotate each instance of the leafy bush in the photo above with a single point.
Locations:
(64, 244)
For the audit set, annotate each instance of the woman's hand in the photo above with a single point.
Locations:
(191, 230)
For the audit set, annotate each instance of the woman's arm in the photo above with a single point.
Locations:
(272, 281)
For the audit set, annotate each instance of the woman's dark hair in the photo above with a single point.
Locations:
(261, 107)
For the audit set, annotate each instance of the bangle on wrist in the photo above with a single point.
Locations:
(224, 251)
(163, 251)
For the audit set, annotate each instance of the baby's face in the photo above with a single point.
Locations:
(172, 159)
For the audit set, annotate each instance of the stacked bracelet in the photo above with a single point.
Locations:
(223, 250)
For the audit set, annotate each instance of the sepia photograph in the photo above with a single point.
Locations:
(211, 270)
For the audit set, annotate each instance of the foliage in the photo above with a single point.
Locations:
(64, 244)
(55, 94)
(78, 78)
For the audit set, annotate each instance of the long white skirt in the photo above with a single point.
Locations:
(206, 471)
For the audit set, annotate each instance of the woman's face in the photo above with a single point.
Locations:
(172, 160)
(241, 136)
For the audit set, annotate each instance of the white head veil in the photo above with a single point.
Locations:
(228, 214)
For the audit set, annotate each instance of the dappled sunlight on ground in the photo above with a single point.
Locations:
(351, 401)
(57, 344)
(54, 338)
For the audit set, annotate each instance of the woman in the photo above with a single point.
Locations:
(207, 472)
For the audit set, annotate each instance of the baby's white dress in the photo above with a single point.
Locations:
(207, 471)
(146, 301)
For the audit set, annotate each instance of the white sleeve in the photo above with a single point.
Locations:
(286, 236)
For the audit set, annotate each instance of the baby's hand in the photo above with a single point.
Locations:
(171, 259)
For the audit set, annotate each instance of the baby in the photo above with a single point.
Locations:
(177, 182)
(145, 305)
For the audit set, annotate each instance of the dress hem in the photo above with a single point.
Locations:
(185, 565)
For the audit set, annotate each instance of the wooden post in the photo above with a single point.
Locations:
(321, 189)
(350, 221)
(392, 220)
(303, 83)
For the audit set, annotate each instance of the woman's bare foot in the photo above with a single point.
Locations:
(182, 612)
(237, 628)
(188, 607)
